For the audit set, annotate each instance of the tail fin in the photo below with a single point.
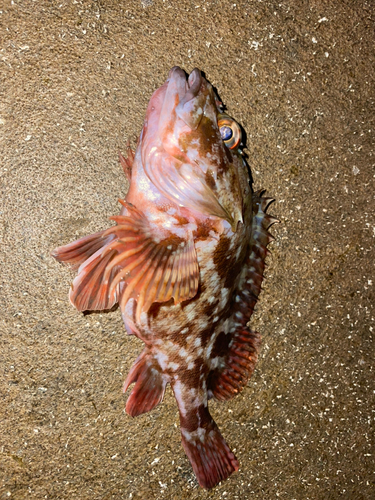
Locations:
(210, 456)
(149, 385)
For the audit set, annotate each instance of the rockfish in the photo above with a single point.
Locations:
(184, 262)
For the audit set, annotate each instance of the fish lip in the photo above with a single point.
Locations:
(174, 71)
(192, 82)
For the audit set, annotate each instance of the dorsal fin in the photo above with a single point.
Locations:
(241, 346)
(127, 163)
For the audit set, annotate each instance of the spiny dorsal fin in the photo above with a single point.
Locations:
(241, 349)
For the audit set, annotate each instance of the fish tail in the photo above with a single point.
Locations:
(149, 387)
(210, 456)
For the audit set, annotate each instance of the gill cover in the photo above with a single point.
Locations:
(184, 156)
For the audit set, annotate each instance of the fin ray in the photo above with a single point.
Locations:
(149, 387)
(79, 251)
(131, 260)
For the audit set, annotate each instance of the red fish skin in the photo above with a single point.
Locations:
(185, 263)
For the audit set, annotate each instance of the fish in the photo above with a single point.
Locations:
(184, 262)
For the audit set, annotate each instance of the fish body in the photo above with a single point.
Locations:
(184, 262)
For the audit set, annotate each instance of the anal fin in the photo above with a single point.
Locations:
(149, 385)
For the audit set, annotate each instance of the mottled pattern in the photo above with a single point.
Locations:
(185, 263)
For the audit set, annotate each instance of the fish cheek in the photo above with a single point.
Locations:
(212, 145)
(210, 180)
(207, 141)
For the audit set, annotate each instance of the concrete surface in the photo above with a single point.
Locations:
(75, 79)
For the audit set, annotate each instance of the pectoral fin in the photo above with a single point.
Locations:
(89, 291)
(133, 261)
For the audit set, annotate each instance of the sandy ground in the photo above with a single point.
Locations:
(75, 80)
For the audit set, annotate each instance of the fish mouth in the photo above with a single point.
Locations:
(192, 82)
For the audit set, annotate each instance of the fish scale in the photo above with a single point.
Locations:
(185, 262)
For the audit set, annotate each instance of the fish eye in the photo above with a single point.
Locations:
(229, 130)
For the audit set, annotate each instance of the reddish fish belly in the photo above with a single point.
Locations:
(186, 284)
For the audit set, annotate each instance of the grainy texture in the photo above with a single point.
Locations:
(75, 79)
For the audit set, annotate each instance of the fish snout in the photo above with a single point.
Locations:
(172, 70)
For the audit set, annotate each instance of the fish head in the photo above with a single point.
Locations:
(190, 148)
